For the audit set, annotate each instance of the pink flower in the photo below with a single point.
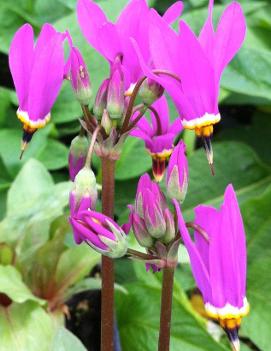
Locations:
(158, 135)
(198, 62)
(219, 263)
(37, 71)
(112, 39)
(100, 232)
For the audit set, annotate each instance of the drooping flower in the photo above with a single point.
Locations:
(197, 62)
(153, 224)
(219, 263)
(112, 39)
(100, 232)
(158, 135)
(83, 196)
(177, 173)
(37, 71)
(77, 155)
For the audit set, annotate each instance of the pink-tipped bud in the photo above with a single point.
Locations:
(140, 231)
(101, 233)
(80, 77)
(101, 100)
(116, 91)
(177, 174)
(150, 91)
(77, 155)
(83, 195)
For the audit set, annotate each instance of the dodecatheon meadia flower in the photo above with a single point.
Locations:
(112, 39)
(197, 62)
(83, 195)
(77, 155)
(158, 135)
(37, 71)
(177, 173)
(219, 262)
(100, 232)
(153, 224)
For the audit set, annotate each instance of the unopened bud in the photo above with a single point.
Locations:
(177, 174)
(80, 77)
(101, 100)
(115, 97)
(77, 155)
(140, 231)
(150, 91)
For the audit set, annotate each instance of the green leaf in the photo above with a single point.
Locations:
(74, 264)
(25, 327)
(54, 156)
(235, 163)
(66, 341)
(250, 73)
(134, 160)
(189, 331)
(12, 285)
(33, 202)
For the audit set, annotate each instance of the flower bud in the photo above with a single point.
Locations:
(101, 233)
(140, 231)
(101, 100)
(80, 77)
(116, 91)
(177, 174)
(77, 155)
(150, 91)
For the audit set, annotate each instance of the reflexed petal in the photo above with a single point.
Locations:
(46, 34)
(173, 12)
(90, 18)
(21, 61)
(161, 107)
(46, 78)
(229, 36)
(199, 270)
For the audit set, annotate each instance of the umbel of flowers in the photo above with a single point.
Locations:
(146, 58)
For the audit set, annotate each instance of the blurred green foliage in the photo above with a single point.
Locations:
(33, 201)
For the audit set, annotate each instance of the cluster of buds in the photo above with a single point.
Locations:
(153, 224)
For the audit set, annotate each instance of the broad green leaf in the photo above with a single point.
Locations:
(139, 327)
(12, 285)
(54, 156)
(74, 264)
(66, 341)
(235, 163)
(33, 202)
(134, 160)
(25, 327)
(250, 73)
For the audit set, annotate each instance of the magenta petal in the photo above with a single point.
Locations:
(46, 78)
(161, 106)
(90, 18)
(110, 44)
(173, 12)
(199, 270)
(197, 74)
(21, 61)
(230, 35)
(87, 235)
(46, 34)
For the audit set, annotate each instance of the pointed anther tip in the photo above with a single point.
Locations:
(235, 345)
(212, 168)
(23, 148)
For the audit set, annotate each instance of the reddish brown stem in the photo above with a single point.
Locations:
(166, 308)
(107, 310)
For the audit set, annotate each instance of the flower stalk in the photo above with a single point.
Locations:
(107, 309)
(166, 309)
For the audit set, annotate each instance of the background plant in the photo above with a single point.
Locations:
(32, 216)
